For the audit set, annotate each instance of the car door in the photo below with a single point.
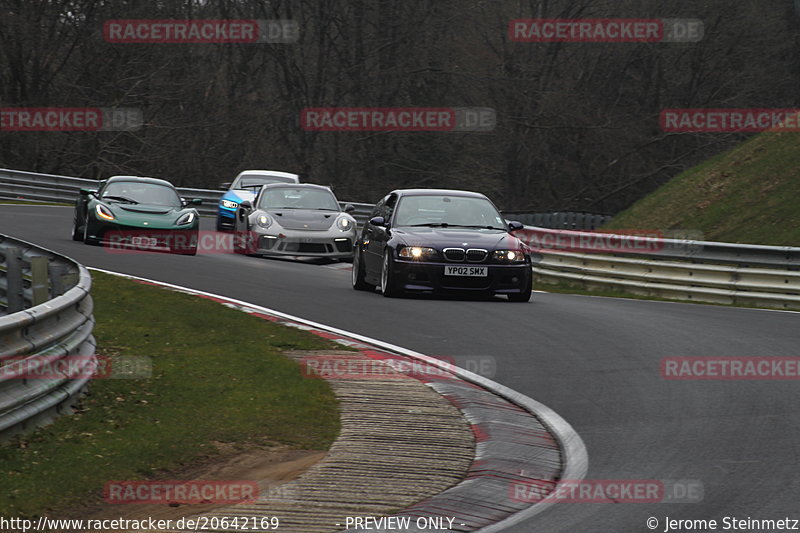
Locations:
(377, 236)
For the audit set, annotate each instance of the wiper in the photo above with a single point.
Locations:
(476, 226)
(120, 199)
(448, 225)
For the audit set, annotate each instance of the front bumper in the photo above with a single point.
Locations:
(226, 217)
(429, 277)
(304, 243)
(116, 236)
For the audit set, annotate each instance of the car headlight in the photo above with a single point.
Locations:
(264, 221)
(344, 224)
(229, 204)
(420, 253)
(186, 218)
(104, 212)
(510, 256)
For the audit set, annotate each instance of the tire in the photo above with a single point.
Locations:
(388, 286)
(523, 296)
(86, 237)
(77, 232)
(358, 275)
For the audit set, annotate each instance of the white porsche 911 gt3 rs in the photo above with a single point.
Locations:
(295, 220)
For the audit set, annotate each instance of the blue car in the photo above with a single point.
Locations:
(244, 188)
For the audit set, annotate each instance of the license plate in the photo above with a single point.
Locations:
(468, 271)
(144, 242)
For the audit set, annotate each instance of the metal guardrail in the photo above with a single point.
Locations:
(703, 271)
(596, 267)
(18, 184)
(560, 219)
(45, 317)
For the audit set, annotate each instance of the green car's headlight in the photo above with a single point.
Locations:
(344, 224)
(186, 218)
(264, 221)
(104, 212)
(509, 256)
(229, 204)
(420, 253)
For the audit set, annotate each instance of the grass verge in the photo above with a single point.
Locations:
(750, 194)
(218, 377)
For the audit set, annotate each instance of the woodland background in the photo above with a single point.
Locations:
(577, 124)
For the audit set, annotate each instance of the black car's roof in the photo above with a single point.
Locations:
(295, 186)
(139, 179)
(443, 192)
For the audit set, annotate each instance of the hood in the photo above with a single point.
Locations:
(143, 208)
(441, 238)
(144, 215)
(304, 219)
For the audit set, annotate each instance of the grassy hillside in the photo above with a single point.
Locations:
(750, 194)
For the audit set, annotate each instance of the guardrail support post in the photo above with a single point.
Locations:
(57, 274)
(39, 280)
(14, 294)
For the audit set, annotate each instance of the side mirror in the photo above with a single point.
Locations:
(349, 208)
(246, 205)
(378, 221)
(196, 201)
(87, 192)
(225, 185)
(515, 226)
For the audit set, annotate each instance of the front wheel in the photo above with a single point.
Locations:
(388, 283)
(359, 283)
(523, 296)
(86, 238)
(77, 231)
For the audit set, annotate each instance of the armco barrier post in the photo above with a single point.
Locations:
(14, 294)
(39, 280)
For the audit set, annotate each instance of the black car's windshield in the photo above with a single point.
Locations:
(245, 182)
(137, 192)
(447, 211)
(298, 198)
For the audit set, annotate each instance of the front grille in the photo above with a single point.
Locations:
(344, 246)
(266, 242)
(306, 248)
(458, 282)
(454, 254)
(476, 255)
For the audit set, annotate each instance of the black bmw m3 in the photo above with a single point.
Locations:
(441, 241)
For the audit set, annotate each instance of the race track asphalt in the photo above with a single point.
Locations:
(595, 361)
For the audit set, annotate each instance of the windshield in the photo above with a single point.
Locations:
(137, 192)
(298, 198)
(255, 181)
(447, 211)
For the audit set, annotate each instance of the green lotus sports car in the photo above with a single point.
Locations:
(133, 213)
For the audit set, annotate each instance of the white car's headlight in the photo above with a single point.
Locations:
(510, 256)
(186, 218)
(420, 253)
(229, 204)
(344, 223)
(264, 221)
